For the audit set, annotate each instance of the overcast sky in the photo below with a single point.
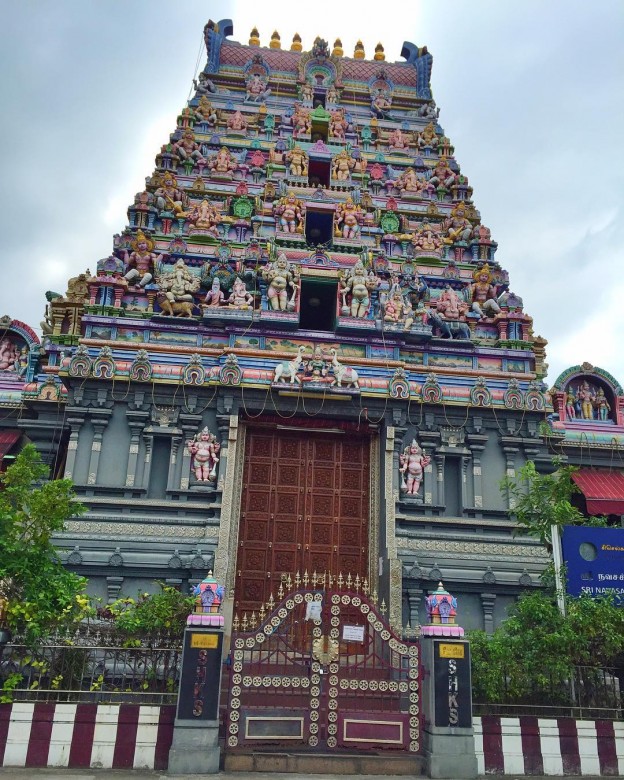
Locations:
(531, 94)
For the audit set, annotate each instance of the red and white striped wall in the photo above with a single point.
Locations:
(110, 736)
(539, 746)
(130, 736)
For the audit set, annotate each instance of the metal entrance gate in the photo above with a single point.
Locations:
(323, 670)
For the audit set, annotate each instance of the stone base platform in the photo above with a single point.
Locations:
(326, 763)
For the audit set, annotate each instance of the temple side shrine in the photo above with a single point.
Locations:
(303, 354)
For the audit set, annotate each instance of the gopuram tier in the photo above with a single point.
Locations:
(302, 353)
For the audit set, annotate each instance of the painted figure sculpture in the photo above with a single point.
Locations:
(204, 449)
(412, 464)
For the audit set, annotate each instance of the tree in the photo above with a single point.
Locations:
(40, 594)
(540, 501)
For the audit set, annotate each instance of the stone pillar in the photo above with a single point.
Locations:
(488, 600)
(99, 426)
(414, 597)
(510, 469)
(75, 424)
(195, 746)
(440, 460)
(477, 445)
(136, 422)
(173, 459)
(465, 462)
(448, 737)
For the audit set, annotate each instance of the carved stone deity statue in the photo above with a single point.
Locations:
(298, 161)
(187, 147)
(204, 449)
(205, 218)
(179, 283)
(342, 165)
(357, 285)
(169, 197)
(289, 211)
(483, 293)
(412, 465)
(348, 219)
(141, 262)
(240, 298)
(257, 89)
(282, 277)
(9, 355)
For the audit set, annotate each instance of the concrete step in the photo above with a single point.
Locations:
(339, 763)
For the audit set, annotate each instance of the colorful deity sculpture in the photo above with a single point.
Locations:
(397, 139)
(297, 160)
(412, 463)
(240, 298)
(179, 283)
(337, 124)
(483, 293)
(409, 181)
(585, 394)
(141, 262)
(204, 450)
(381, 103)
(427, 137)
(450, 305)
(187, 148)
(357, 285)
(9, 355)
(223, 162)
(257, 89)
(441, 606)
(169, 197)
(601, 405)
(205, 112)
(204, 218)
(302, 122)
(282, 278)
(215, 295)
(426, 240)
(289, 211)
(457, 226)
(237, 122)
(442, 176)
(348, 219)
(342, 165)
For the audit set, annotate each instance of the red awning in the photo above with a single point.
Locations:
(603, 490)
(7, 440)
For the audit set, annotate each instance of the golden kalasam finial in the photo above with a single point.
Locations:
(379, 52)
(275, 41)
(254, 37)
(359, 52)
(296, 43)
(338, 51)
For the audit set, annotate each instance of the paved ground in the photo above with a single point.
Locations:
(9, 773)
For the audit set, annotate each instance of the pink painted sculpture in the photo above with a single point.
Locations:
(289, 211)
(282, 277)
(237, 122)
(483, 293)
(141, 261)
(257, 89)
(240, 298)
(204, 218)
(9, 355)
(348, 219)
(223, 162)
(412, 464)
(204, 449)
(356, 286)
(187, 148)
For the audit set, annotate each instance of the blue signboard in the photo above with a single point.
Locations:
(594, 559)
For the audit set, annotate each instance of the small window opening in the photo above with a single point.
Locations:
(319, 99)
(319, 228)
(319, 173)
(318, 304)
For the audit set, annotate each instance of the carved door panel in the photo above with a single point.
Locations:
(304, 507)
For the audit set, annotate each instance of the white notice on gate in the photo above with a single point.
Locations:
(313, 610)
(353, 633)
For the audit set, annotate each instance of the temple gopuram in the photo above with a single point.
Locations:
(303, 354)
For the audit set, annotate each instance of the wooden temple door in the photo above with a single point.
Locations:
(304, 507)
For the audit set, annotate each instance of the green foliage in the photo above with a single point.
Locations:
(534, 652)
(540, 501)
(40, 593)
(165, 611)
